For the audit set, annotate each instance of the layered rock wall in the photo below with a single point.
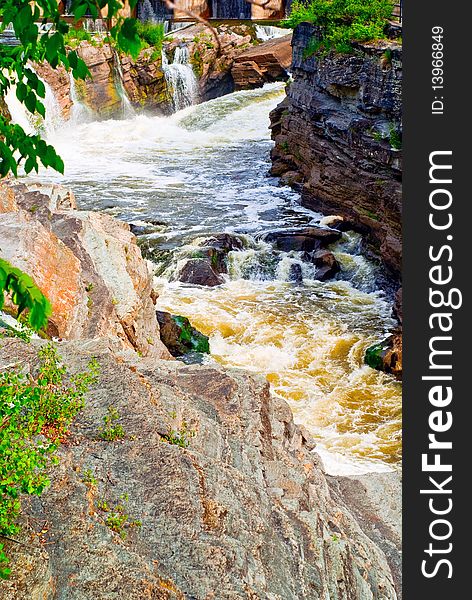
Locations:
(338, 137)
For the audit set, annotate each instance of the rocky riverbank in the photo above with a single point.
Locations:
(338, 140)
(240, 509)
(338, 137)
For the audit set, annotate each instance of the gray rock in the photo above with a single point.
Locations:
(245, 511)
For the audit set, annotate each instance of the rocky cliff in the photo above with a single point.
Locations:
(338, 137)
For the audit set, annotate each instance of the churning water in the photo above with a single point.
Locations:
(204, 170)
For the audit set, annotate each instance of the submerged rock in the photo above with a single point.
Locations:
(305, 239)
(326, 265)
(179, 337)
(199, 271)
(295, 273)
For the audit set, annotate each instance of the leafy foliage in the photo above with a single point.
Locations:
(342, 21)
(151, 33)
(112, 430)
(35, 414)
(25, 294)
(40, 44)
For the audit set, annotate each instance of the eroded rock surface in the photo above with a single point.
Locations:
(86, 263)
(244, 511)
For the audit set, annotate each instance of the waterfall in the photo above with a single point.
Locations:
(80, 112)
(127, 108)
(32, 123)
(153, 11)
(180, 78)
(231, 9)
(269, 32)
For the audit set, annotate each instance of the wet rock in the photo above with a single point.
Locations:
(305, 239)
(326, 265)
(245, 509)
(217, 248)
(264, 63)
(295, 273)
(198, 271)
(86, 263)
(179, 337)
(387, 355)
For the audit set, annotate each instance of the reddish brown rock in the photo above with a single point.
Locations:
(264, 63)
(86, 263)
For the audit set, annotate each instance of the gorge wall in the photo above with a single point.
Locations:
(338, 137)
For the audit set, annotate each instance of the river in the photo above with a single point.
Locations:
(204, 170)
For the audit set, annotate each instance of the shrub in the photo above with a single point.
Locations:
(111, 430)
(35, 413)
(342, 21)
(152, 34)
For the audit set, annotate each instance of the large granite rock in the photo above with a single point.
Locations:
(337, 137)
(87, 264)
(243, 510)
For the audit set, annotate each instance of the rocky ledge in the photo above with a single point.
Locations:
(242, 509)
(87, 264)
(338, 137)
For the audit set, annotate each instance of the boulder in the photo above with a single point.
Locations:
(217, 247)
(295, 273)
(86, 263)
(305, 239)
(178, 335)
(199, 271)
(263, 63)
(326, 265)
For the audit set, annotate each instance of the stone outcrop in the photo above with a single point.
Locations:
(86, 263)
(59, 81)
(264, 63)
(243, 510)
(338, 137)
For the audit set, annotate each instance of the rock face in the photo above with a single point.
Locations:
(338, 135)
(265, 63)
(87, 264)
(243, 511)
(59, 82)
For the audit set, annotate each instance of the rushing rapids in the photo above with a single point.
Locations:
(204, 170)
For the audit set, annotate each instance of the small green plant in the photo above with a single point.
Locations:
(111, 430)
(341, 21)
(284, 146)
(117, 518)
(151, 34)
(74, 36)
(180, 437)
(395, 138)
(35, 414)
(89, 478)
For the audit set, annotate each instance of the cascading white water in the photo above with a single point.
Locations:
(80, 112)
(127, 107)
(180, 78)
(34, 123)
(269, 32)
(202, 171)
